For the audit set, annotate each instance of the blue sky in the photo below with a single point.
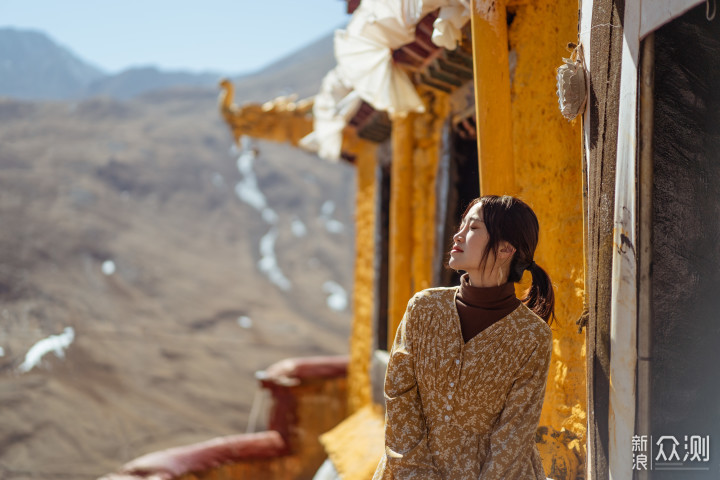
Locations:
(220, 35)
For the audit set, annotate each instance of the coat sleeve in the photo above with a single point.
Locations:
(513, 435)
(407, 454)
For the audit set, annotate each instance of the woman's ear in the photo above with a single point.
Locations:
(506, 250)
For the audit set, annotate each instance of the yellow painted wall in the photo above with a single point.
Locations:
(548, 169)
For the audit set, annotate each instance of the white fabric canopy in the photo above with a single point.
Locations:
(365, 68)
(415, 10)
(364, 55)
(451, 18)
(447, 27)
(334, 106)
(383, 22)
(367, 65)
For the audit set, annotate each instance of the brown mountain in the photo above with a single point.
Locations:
(121, 220)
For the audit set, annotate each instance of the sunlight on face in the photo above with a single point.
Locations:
(470, 242)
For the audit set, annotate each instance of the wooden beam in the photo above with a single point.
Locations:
(601, 35)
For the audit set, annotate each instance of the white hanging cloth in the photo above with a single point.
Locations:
(382, 21)
(447, 28)
(364, 55)
(453, 15)
(333, 108)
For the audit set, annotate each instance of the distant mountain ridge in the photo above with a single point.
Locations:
(34, 67)
(136, 81)
(300, 72)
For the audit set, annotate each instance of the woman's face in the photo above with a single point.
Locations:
(469, 243)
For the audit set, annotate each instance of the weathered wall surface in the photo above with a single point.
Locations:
(603, 101)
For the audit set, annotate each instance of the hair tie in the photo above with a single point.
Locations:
(531, 266)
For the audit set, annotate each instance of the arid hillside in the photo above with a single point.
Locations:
(166, 266)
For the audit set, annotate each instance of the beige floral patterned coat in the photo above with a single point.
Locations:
(460, 410)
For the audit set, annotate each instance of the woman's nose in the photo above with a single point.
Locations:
(457, 236)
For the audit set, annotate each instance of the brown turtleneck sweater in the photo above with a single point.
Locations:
(480, 307)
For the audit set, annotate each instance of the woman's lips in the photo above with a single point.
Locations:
(456, 249)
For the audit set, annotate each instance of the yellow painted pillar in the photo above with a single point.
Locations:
(549, 171)
(416, 146)
(427, 134)
(423, 204)
(492, 97)
(361, 338)
(400, 285)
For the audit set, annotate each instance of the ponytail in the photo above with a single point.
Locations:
(540, 297)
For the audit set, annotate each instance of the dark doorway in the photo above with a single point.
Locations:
(685, 275)
(382, 242)
(458, 184)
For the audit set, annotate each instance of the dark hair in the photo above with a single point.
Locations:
(510, 219)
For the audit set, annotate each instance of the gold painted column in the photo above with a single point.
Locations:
(492, 97)
(400, 285)
(416, 145)
(361, 338)
(427, 132)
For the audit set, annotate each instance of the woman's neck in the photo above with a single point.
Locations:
(485, 297)
(477, 279)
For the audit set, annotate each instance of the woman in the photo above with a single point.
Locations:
(466, 378)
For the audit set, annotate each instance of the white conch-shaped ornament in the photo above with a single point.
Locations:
(571, 86)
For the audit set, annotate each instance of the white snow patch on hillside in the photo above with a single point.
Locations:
(56, 344)
(268, 262)
(108, 267)
(331, 225)
(298, 227)
(338, 299)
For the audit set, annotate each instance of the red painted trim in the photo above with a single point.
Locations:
(292, 371)
(203, 456)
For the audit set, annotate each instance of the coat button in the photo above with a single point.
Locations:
(452, 384)
(447, 418)
(457, 362)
